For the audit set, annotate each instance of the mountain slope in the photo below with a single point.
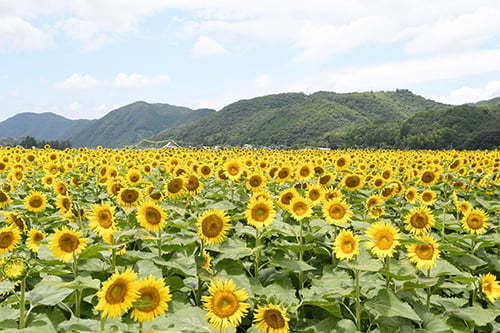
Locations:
(131, 123)
(43, 126)
(492, 101)
(296, 118)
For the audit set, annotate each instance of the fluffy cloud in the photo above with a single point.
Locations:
(470, 95)
(206, 46)
(17, 34)
(127, 81)
(79, 81)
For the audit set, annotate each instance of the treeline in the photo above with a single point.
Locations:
(30, 142)
(461, 127)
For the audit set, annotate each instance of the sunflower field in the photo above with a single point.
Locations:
(236, 240)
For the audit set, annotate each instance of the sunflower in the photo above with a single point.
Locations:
(255, 182)
(101, 218)
(419, 220)
(337, 212)
(411, 195)
(35, 202)
(213, 226)
(352, 182)
(315, 194)
(117, 294)
(305, 171)
(4, 199)
(271, 319)
(9, 238)
(373, 200)
(67, 243)
(332, 194)
(151, 216)
(15, 220)
(129, 197)
(378, 182)
(261, 195)
(428, 197)
(463, 206)
(286, 197)
(233, 169)
(14, 269)
(153, 296)
(346, 245)
(207, 261)
(226, 305)
(134, 177)
(260, 213)
(64, 204)
(490, 287)
(383, 239)
(175, 187)
(425, 253)
(60, 188)
(474, 221)
(428, 178)
(284, 174)
(34, 240)
(193, 184)
(376, 212)
(300, 208)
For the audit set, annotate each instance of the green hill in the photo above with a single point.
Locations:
(43, 126)
(131, 123)
(296, 118)
(492, 101)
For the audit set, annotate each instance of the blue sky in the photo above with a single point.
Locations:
(83, 58)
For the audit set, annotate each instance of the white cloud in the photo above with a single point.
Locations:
(262, 81)
(206, 46)
(127, 81)
(79, 81)
(75, 106)
(471, 95)
(17, 34)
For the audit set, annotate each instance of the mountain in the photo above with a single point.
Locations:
(131, 123)
(43, 126)
(458, 127)
(492, 101)
(296, 118)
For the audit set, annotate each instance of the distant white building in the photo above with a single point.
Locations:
(171, 144)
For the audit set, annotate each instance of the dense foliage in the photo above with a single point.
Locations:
(206, 241)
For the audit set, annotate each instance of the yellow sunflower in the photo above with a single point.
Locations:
(352, 182)
(151, 216)
(4, 199)
(463, 206)
(383, 239)
(134, 176)
(373, 200)
(101, 218)
(255, 182)
(153, 298)
(490, 287)
(9, 238)
(129, 197)
(300, 208)
(346, 245)
(213, 226)
(428, 178)
(286, 197)
(64, 204)
(66, 243)
(117, 294)
(193, 184)
(15, 220)
(272, 319)
(207, 261)
(425, 253)
(428, 197)
(34, 240)
(260, 213)
(14, 269)
(474, 221)
(175, 187)
(419, 220)
(315, 194)
(35, 202)
(226, 305)
(233, 169)
(337, 212)
(411, 195)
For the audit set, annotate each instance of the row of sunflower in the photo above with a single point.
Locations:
(271, 241)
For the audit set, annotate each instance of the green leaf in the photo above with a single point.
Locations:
(388, 305)
(6, 287)
(82, 282)
(8, 313)
(146, 268)
(476, 314)
(292, 265)
(48, 293)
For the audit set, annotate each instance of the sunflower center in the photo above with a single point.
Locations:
(233, 170)
(341, 162)
(6, 239)
(378, 182)
(274, 319)
(300, 208)
(424, 251)
(286, 198)
(314, 195)
(352, 181)
(475, 221)
(174, 186)
(116, 292)
(304, 172)
(283, 173)
(428, 177)
(371, 202)
(205, 170)
(37, 237)
(68, 243)
(255, 181)
(488, 287)
(225, 304)
(192, 183)
(410, 195)
(3, 197)
(260, 213)
(151, 297)
(36, 202)
(211, 226)
(387, 191)
(419, 220)
(325, 179)
(427, 197)
(134, 178)
(336, 212)
(66, 203)
(130, 196)
(384, 240)
(348, 245)
(115, 188)
(153, 216)
(105, 218)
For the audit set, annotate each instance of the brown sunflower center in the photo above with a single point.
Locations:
(283, 173)
(225, 304)
(348, 245)
(68, 243)
(325, 179)
(314, 195)
(260, 212)
(419, 220)
(286, 198)
(233, 170)
(427, 196)
(410, 195)
(383, 240)
(37, 237)
(174, 186)
(305, 172)
(153, 216)
(116, 292)
(134, 178)
(336, 212)
(212, 226)
(424, 251)
(378, 182)
(6, 239)
(352, 181)
(299, 208)
(192, 184)
(205, 170)
(105, 218)
(130, 196)
(3, 197)
(274, 319)
(255, 181)
(66, 203)
(151, 298)
(36, 202)
(475, 221)
(428, 177)
(341, 162)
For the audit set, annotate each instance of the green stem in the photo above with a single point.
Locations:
(140, 327)
(387, 277)
(159, 245)
(78, 291)
(257, 253)
(334, 235)
(113, 259)
(301, 253)
(102, 324)
(22, 304)
(358, 300)
(428, 302)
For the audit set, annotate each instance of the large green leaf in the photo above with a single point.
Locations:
(476, 314)
(48, 293)
(388, 305)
